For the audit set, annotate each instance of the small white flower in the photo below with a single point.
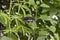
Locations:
(15, 25)
(55, 17)
(39, 23)
(4, 6)
(8, 13)
(16, 12)
(32, 38)
(26, 34)
(52, 38)
(43, 21)
(32, 9)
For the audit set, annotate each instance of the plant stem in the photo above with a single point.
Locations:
(17, 36)
(29, 37)
(10, 6)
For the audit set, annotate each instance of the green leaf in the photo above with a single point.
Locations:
(41, 38)
(44, 10)
(37, 2)
(32, 2)
(53, 11)
(12, 36)
(58, 14)
(56, 36)
(45, 17)
(53, 22)
(2, 20)
(28, 30)
(5, 38)
(32, 25)
(42, 32)
(52, 28)
(45, 5)
(27, 8)
(51, 37)
(24, 12)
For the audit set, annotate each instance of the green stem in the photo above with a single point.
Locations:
(17, 36)
(9, 28)
(16, 22)
(19, 8)
(29, 37)
(10, 6)
(23, 11)
(23, 31)
(9, 14)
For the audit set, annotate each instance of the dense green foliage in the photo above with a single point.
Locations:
(30, 20)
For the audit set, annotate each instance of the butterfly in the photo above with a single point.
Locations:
(28, 19)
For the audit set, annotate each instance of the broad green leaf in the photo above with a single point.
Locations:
(53, 22)
(32, 2)
(6, 31)
(45, 10)
(37, 2)
(2, 20)
(58, 14)
(56, 36)
(12, 36)
(5, 38)
(51, 37)
(53, 11)
(52, 29)
(32, 25)
(45, 5)
(42, 32)
(41, 37)
(45, 17)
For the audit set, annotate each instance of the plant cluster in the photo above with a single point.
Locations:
(29, 19)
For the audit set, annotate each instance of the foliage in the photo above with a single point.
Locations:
(30, 20)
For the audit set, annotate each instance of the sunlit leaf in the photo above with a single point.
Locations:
(41, 38)
(45, 17)
(56, 36)
(45, 5)
(42, 32)
(52, 28)
(32, 2)
(5, 38)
